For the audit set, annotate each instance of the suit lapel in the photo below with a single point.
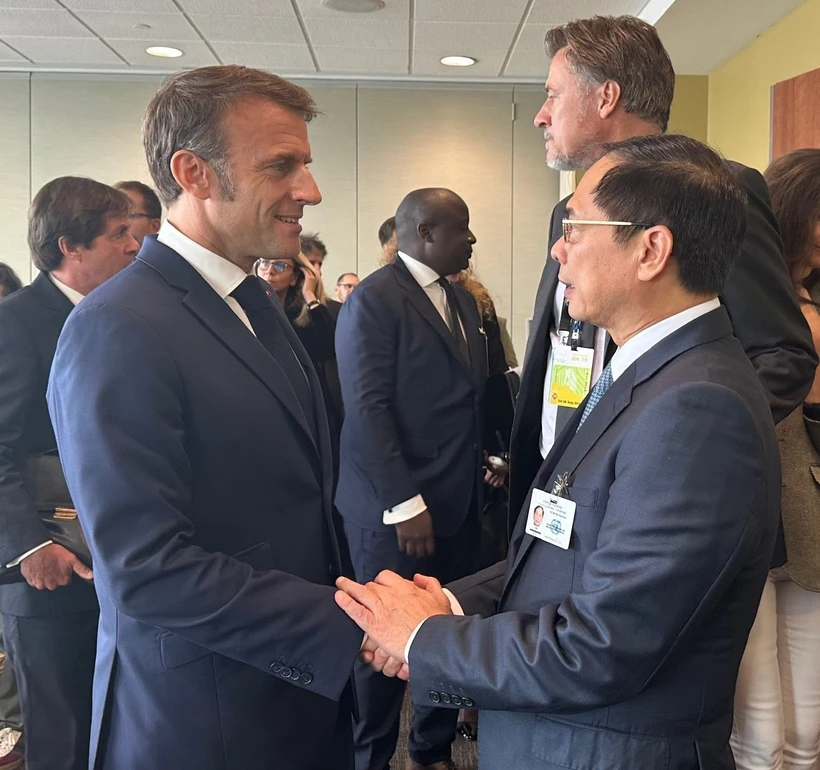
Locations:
(215, 314)
(421, 302)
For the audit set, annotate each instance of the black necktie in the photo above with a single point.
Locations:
(258, 306)
(453, 318)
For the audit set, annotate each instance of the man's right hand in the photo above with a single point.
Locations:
(51, 567)
(415, 535)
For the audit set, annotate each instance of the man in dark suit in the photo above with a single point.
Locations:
(611, 637)
(610, 79)
(197, 450)
(79, 237)
(412, 363)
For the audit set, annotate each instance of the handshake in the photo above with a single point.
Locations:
(390, 610)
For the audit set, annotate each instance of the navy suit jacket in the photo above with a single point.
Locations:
(206, 503)
(623, 650)
(762, 306)
(412, 403)
(30, 323)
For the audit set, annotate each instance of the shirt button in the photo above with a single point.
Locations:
(285, 672)
(306, 678)
(435, 697)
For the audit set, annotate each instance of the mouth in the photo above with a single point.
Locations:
(291, 222)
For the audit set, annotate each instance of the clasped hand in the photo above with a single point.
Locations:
(388, 610)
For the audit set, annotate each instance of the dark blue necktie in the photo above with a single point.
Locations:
(255, 300)
(597, 393)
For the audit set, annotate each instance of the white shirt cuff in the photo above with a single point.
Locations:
(404, 511)
(454, 606)
(28, 553)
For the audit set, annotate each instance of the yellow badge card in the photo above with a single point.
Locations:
(571, 375)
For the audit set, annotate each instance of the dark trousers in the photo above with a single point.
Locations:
(53, 660)
(9, 701)
(376, 732)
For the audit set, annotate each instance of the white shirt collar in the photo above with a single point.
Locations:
(644, 340)
(425, 275)
(73, 295)
(222, 275)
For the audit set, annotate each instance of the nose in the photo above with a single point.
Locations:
(132, 247)
(543, 117)
(559, 251)
(471, 237)
(306, 191)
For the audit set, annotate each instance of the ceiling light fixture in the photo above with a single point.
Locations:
(354, 6)
(654, 10)
(458, 61)
(164, 52)
(142, 26)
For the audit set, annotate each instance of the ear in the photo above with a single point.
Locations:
(609, 97)
(425, 232)
(654, 252)
(71, 251)
(194, 175)
(155, 225)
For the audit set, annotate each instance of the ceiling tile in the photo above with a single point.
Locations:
(509, 11)
(366, 61)
(240, 7)
(57, 23)
(64, 50)
(195, 54)
(532, 38)
(463, 38)
(358, 33)
(122, 26)
(488, 64)
(527, 63)
(6, 54)
(272, 30)
(277, 58)
(562, 11)
(145, 6)
(394, 9)
(28, 4)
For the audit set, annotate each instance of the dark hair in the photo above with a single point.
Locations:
(388, 227)
(794, 185)
(187, 114)
(623, 49)
(9, 282)
(339, 279)
(312, 244)
(150, 201)
(71, 206)
(681, 183)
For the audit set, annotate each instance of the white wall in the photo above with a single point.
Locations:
(371, 146)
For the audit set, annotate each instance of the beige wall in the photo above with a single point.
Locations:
(690, 108)
(740, 90)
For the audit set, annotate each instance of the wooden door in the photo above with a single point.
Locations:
(796, 113)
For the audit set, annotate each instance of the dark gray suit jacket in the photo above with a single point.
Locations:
(622, 651)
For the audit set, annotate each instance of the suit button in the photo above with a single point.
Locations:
(306, 678)
(276, 667)
(285, 672)
(295, 673)
(435, 697)
(456, 700)
(445, 697)
(467, 703)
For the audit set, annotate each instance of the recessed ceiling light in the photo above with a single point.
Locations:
(142, 26)
(458, 61)
(164, 52)
(354, 6)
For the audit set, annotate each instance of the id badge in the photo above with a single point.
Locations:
(571, 375)
(550, 518)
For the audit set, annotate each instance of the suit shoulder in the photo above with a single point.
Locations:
(749, 178)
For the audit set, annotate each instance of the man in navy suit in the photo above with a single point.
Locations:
(611, 637)
(412, 363)
(196, 449)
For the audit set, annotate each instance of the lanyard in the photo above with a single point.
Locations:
(569, 330)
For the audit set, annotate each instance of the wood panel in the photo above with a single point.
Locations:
(796, 113)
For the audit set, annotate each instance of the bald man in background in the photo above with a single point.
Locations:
(412, 364)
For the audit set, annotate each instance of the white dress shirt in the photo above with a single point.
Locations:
(623, 358)
(549, 412)
(428, 279)
(73, 297)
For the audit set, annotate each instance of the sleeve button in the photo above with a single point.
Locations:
(306, 678)
(435, 697)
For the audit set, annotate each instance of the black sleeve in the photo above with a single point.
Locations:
(762, 304)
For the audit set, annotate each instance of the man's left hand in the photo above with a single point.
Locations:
(389, 610)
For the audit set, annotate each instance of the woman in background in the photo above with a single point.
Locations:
(777, 702)
(9, 282)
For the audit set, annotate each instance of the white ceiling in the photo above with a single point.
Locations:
(302, 38)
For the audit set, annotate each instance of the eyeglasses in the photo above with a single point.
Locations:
(568, 224)
(276, 265)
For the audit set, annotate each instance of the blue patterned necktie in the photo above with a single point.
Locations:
(597, 393)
